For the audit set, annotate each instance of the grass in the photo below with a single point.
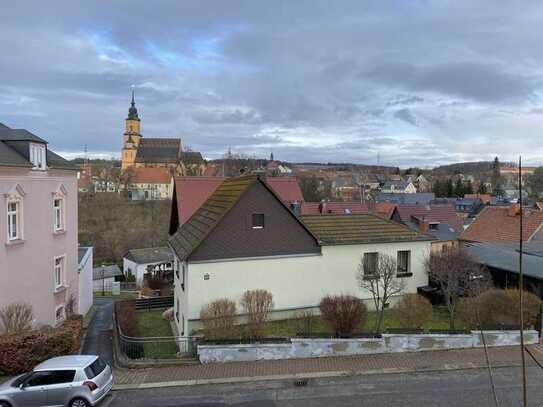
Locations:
(125, 295)
(151, 324)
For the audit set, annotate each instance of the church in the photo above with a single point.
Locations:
(144, 152)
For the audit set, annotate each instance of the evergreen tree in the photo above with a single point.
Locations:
(482, 189)
(468, 188)
(459, 188)
(496, 178)
(449, 188)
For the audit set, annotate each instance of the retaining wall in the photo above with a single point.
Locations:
(389, 343)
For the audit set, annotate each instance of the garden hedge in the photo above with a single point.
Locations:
(19, 353)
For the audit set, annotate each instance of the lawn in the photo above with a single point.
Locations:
(151, 324)
(125, 295)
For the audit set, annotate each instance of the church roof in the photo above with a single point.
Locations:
(191, 157)
(132, 111)
(159, 150)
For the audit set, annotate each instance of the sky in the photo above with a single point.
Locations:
(407, 83)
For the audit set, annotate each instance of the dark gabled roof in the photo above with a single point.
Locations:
(158, 150)
(189, 235)
(191, 157)
(402, 198)
(8, 134)
(359, 229)
(12, 158)
(13, 140)
(98, 273)
(150, 255)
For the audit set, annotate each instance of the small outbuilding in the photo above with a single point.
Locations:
(151, 261)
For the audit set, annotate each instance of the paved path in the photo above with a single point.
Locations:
(348, 365)
(468, 388)
(98, 340)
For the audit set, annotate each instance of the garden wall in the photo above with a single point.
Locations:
(388, 343)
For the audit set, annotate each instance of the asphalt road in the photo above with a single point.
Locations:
(98, 340)
(451, 388)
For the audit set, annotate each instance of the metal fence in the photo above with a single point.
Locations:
(159, 348)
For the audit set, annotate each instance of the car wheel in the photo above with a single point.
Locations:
(79, 403)
(4, 404)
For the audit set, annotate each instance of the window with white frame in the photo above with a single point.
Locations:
(14, 220)
(58, 214)
(403, 262)
(59, 272)
(38, 156)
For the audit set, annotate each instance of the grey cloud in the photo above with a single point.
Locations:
(406, 116)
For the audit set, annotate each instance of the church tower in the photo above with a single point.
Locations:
(132, 136)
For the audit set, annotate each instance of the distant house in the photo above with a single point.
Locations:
(422, 184)
(399, 187)
(406, 199)
(439, 221)
(384, 209)
(150, 184)
(500, 225)
(245, 237)
(148, 261)
(84, 179)
(103, 277)
(468, 207)
(484, 198)
(104, 185)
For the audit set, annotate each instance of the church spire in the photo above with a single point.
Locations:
(132, 111)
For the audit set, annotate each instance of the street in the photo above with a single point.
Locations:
(447, 388)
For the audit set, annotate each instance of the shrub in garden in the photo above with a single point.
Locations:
(257, 304)
(343, 313)
(496, 307)
(16, 318)
(22, 351)
(126, 317)
(305, 322)
(413, 311)
(218, 319)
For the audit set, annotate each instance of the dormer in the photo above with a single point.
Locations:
(38, 155)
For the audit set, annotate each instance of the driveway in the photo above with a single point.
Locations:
(99, 339)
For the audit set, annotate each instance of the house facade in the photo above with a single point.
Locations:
(142, 262)
(150, 184)
(38, 227)
(245, 237)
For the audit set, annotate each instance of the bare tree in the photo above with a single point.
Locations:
(377, 274)
(457, 275)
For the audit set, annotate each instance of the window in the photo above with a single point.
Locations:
(95, 368)
(38, 156)
(258, 221)
(404, 257)
(14, 222)
(58, 211)
(59, 272)
(39, 379)
(370, 265)
(62, 376)
(433, 226)
(60, 313)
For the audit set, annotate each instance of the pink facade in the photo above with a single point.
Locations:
(39, 244)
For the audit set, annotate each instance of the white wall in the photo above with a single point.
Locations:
(296, 281)
(85, 283)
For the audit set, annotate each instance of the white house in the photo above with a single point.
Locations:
(401, 186)
(84, 270)
(139, 262)
(244, 238)
(103, 277)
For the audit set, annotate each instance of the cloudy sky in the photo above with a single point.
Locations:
(411, 82)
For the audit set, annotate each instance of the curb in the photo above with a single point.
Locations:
(298, 376)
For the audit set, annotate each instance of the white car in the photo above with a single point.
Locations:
(72, 381)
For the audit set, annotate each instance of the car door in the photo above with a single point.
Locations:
(33, 392)
(60, 387)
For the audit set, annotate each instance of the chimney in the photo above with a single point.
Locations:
(514, 210)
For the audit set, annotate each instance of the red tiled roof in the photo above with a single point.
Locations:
(211, 171)
(497, 224)
(193, 192)
(287, 188)
(383, 209)
(431, 213)
(151, 176)
(485, 198)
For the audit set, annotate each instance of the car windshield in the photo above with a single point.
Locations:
(95, 368)
(18, 381)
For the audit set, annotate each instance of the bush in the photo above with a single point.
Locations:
(22, 351)
(126, 318)
(218, 319)
(499, 308)
(413, 311)
(343, 313)
(305, 322)
(16, 318)
(157, 283)
(257, 304)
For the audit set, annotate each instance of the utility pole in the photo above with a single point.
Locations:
(521, 288)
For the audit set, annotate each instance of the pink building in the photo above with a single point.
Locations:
(39, 261)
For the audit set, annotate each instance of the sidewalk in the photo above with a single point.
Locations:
(320, 367)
